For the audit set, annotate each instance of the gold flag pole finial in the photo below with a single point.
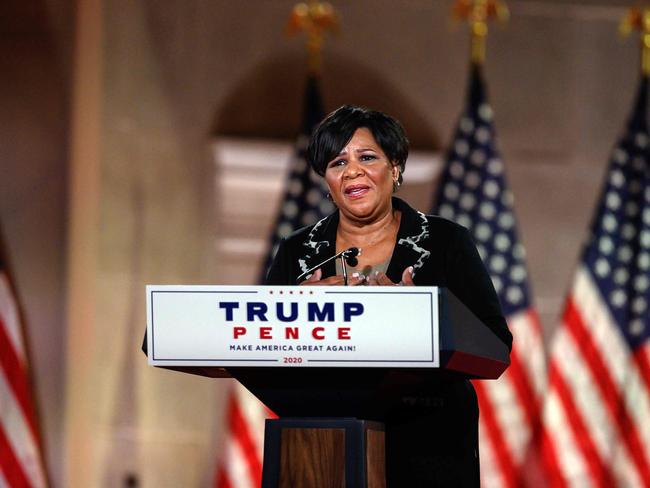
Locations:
(638, 18)
(477, 13)
(315, 19)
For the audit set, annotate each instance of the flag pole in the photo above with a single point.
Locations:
(477, 13)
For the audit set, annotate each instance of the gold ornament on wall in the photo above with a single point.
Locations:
(477, 13)
(315, 19)
(638, 19)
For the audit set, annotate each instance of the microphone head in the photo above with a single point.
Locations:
(351, 256)
(352, 252)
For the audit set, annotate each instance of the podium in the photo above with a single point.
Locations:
(384, 344)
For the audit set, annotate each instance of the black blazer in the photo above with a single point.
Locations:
(432, 436)
(441, 252)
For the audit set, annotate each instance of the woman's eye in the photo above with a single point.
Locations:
(368, 157)
(337, 162)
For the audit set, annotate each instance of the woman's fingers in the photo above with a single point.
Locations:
(407, 277)
(379, 279)
(356, 279)
(315, 279)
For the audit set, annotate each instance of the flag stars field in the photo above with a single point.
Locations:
(466, 125)
(462, 148)
(290, 209)
(485, 112)
(481, 177)
(456, 170)
(472, 180)
(491, 189)
(295, 187)
(326, 207)
(624, 254)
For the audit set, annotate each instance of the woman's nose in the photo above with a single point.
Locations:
(353, 168)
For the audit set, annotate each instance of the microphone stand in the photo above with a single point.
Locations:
(345, 270)
(349, 256)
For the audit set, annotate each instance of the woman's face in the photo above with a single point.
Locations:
(361, 177)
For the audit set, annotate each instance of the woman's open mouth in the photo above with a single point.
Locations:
(356, 191)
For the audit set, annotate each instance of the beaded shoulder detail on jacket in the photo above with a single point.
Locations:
(313, 245)
(416, 241)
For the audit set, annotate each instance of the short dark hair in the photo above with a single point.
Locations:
(336, 130)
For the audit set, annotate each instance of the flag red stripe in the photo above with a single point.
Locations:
(503, 456)
(526, 395)
(605, 384)
(16, 376)
(552, 472)
(241, 433)
(642, 360)
(222, 480)
(10, 466)
(600, 473)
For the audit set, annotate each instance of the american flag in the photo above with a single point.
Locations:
(473, 192)
(303, 203)
(597, 413)
(241, 464)
(21, 464)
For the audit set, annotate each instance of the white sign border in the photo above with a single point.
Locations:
(433, 363)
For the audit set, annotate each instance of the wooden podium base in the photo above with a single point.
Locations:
(324, 453)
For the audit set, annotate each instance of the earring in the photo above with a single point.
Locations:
(397, 183)
(329, 196)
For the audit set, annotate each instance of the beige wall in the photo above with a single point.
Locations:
(152, 81)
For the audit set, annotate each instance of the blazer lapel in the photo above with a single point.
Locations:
(320, 245)
(411, 237)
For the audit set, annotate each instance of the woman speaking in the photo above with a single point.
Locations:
(431, 436)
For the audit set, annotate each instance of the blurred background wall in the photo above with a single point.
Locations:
(108, 179)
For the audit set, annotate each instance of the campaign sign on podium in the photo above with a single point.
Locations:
(314, 326)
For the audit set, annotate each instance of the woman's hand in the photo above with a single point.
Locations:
(315, 279)
(380, 279)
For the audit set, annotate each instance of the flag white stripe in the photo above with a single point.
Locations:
(254, 414)
(510, 416)
(625, 471)
(570, 461)
(3, 481)
(528, 340)
(9, 314)
(19, 435)
(490, 473)
(236, 466)
(580, 379)
(615, 354)
(602, 328)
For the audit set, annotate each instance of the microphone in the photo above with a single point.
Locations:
(348, 256)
